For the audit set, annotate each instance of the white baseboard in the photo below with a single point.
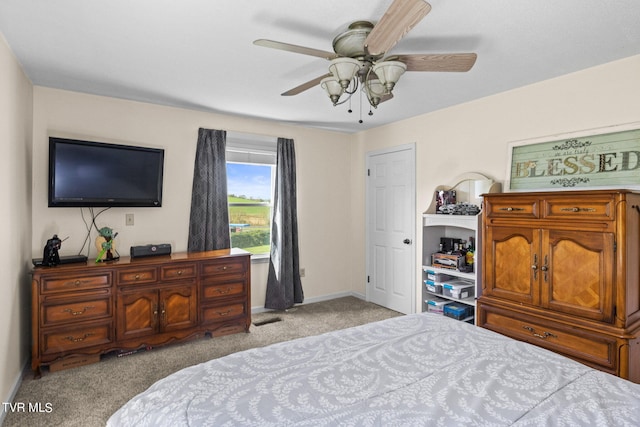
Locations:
(17, 382)
(321, 298)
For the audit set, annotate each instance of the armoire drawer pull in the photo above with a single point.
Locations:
(511, 209)
(577, 209)
(543, 335)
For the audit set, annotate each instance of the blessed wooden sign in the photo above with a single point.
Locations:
(609, 159)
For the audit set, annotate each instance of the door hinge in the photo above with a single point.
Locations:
(615, 246)
(368, 279)
(368, 172)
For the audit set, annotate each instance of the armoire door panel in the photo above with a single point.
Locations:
(511, 273)
(579, 273)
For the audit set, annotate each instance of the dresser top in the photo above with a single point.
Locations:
(156, 259)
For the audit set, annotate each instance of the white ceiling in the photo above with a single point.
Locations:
(199, 54)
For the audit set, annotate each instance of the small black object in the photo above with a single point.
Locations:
(50, 256)
(65, 259)
(150, 250)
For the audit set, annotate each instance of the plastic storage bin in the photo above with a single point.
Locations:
(433, 287)
(438, 277)
(460, 289)
(436, 305)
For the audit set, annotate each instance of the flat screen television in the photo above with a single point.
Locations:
(97, 174)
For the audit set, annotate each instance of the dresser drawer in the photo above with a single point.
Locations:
(74, 283)
(586, 347)
(138, 275)
(180, 271)
(223, 312)
(224, 267)
(75, 311)
(67, 339)
(515, 207)
(587, 208)
(212, 290)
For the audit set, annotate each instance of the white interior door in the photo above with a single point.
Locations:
(391, 228)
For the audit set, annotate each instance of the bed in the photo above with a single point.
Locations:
(419, 369)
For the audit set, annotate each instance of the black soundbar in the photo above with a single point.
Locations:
(150, 250)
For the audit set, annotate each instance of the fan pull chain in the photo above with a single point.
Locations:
(360, 121)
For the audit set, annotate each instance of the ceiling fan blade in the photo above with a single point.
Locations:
(396, 22)
(295, 48)
(308, 85)
(438, 61)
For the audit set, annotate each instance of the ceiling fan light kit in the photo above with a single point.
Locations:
(344, 70)
(333, 88)
(357, 61)
(389, 72)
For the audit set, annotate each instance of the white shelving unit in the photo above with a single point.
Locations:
(435, 226)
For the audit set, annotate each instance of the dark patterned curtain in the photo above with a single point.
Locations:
(284, 288)
(209, 219)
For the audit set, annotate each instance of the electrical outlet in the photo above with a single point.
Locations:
(302, 272)
(128, 219)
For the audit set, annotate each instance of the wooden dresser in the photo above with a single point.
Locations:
(562, 270)
(80, 311)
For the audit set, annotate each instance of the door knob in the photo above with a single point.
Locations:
(406, 241)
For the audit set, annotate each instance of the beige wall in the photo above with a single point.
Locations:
(474, 136)
(15, 200)
(323, 181)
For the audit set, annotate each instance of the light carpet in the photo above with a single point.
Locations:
(87, 396)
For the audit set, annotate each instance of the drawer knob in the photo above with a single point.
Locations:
(179, 273)
(224, 291)
(511, 209)
(137, 276)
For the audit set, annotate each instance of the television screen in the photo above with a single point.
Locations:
(96, 174)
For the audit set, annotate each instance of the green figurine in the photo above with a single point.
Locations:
(105, 244)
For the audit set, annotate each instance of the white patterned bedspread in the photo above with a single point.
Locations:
(420, 369)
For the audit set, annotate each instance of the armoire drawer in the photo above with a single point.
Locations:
(586, 208)
(581, 345)
(522, 207)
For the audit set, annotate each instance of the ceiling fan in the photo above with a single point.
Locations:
(359, 60)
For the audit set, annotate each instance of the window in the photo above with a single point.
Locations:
(250, 181)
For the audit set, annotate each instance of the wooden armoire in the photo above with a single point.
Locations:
(561, 270)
